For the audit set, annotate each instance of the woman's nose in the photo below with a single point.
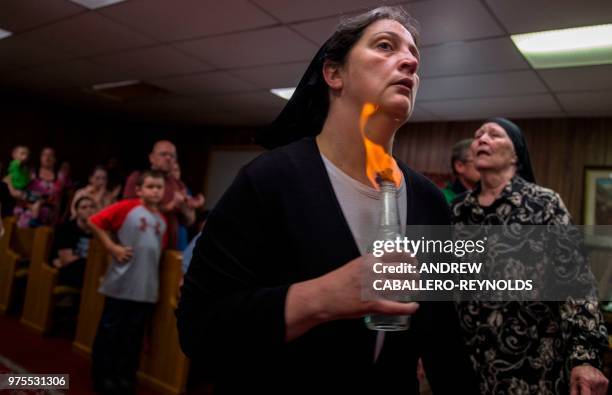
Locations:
(409, 63)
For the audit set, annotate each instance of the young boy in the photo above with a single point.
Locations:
(131, 282)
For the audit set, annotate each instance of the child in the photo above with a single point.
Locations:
(71, 244)
(18, 170)
(131, 282)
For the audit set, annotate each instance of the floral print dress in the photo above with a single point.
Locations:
(526, 347)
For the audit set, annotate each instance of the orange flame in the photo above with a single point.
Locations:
(380, 166)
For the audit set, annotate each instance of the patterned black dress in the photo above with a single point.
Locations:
(527, 347)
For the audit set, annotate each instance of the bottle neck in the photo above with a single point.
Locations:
(389, 214)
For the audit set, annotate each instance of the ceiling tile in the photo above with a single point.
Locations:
(19, 15)
(88, 34)
(212, 83)
(578, 78)
(174, 104)
(253, 102)
(471, 58)
(184, 19)
(522, 16)
(484, 85)
(273, 76)
(587, 102)
(18, 52)
(491, 107)
(152, 62)
(250, 103)
(318, 31)
(78, 73)
(267, 46)
(292, 11)
(453, 20)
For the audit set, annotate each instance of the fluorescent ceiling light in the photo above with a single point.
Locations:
(285, 93)
(93, 4)
(580, 46)
(5, 34)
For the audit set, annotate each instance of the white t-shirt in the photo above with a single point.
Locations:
(361, 204)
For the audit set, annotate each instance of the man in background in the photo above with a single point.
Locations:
(466, 175)
(175, 203)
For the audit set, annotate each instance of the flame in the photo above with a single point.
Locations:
(380, 166)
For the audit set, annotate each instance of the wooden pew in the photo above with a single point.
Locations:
(42, 284)
(164, 367)
(15, 251)
(92, 302)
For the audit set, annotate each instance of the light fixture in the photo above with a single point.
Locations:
(112, 85)
(579, 46)
(94, 4)
(285, 93)
(129, 90)
(5, 34)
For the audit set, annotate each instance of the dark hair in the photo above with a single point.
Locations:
(149, 173)
(305, 113)
(459, 152)
(99, 167)
(350, 30)
(81, 199)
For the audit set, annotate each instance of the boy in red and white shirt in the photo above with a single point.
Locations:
(133, 231)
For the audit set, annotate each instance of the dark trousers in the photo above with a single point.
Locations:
(116, 350)
(72, 274)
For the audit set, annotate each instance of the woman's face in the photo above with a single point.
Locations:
(492, 148)
(381, 68)
(47, 158)
(98, 179)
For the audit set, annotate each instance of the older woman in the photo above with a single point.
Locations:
(272, 298)
(524, 347)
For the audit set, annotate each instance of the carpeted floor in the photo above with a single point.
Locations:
(22, 350)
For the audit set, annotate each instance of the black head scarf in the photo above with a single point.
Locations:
(305, 113)
(524, 168)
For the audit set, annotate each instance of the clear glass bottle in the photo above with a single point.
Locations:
(388, 229)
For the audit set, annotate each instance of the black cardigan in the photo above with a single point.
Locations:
(280, 223)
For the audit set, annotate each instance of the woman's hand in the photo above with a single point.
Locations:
(337, 295)
(586, 380)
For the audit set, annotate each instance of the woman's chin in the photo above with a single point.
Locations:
(398, 111)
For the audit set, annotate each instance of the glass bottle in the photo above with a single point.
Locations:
(388, 229)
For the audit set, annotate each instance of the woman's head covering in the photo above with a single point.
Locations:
(515, 134)
(306, 111)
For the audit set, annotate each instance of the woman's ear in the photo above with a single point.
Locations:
(332, 75)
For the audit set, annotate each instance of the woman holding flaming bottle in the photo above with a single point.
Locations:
(272, 299)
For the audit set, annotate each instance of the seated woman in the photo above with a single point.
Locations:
(272, 299)
(71, 244)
